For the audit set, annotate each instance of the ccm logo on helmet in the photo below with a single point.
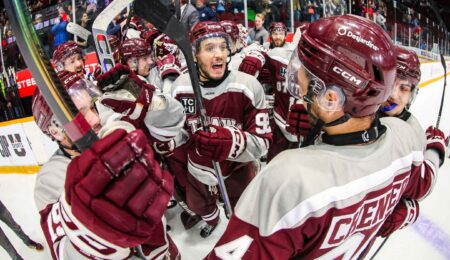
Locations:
(401, 67)
(347, 75)
(350, 34)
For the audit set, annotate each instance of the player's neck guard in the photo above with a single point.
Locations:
(360, 137)
(404, 115)
(212, 83)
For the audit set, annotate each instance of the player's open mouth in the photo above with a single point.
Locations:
(217, 66)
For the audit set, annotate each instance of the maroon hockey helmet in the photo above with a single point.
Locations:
(408, 68)
(150, 35)
(164, 45)
(348, 52)
(207, 29)
(408, 65)
(42, 113)
(277, 27)
(134, 47)
(64, 51)
(231, 28)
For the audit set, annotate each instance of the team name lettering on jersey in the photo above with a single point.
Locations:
(194, 123)
(370, 213)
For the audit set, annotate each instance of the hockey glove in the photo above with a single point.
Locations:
(112, 76)
(252, 63)
(436, 140)
(168, 66)
(221, 144)
(298, 121)
(117, 190)
(132, 111)
(405, 213)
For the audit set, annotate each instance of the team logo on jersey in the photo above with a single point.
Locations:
(189, 105)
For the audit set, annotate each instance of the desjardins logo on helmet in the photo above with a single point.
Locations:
(343, 31)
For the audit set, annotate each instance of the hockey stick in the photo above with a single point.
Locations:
(159, 15)
(443, 91)
(379, 248)
(75, 125)
(99, 27)
(78, 30)
(127, 23)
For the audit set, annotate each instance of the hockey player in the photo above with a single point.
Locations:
(113, 195)
(278, 33)
(269, 65)
(329, 200)
(240, 131)
(69, 56)
(398, 104)
(134, 100)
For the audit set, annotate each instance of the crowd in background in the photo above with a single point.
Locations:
(50, 18)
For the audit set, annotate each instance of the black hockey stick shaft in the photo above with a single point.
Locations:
(48, 82)
(379, 248)
(127, 24)
(444, 65)
(159, 15)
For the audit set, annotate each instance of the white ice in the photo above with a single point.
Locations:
(16, 192)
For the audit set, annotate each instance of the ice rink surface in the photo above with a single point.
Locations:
(428, 239)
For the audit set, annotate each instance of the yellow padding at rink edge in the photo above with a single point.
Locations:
(17, 121)
(430, 81)
(32, 169)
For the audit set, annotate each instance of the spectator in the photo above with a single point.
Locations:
(189, 15)
(381, 20)
(59, 28)
(271, 13)
(115, 27)
(205, 12)
(258, 34)
(423, 46)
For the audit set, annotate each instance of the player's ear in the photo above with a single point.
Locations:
(332, 99)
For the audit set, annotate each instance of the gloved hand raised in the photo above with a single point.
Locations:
(116, 189)
(121, 78)
(298, 123)
(252, 63)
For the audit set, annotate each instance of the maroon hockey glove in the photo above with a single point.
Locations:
(117, 190)
(405, 213)
(252, 63)
(298, 121)
(221, 144)
(436, 140)
(168, 66)
(132, 111)
(112, 76)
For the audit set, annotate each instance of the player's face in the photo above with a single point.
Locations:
(400, 97)
(144, 65)
(75, 63)
(278, 38)
(212, 58)
(84, 103)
